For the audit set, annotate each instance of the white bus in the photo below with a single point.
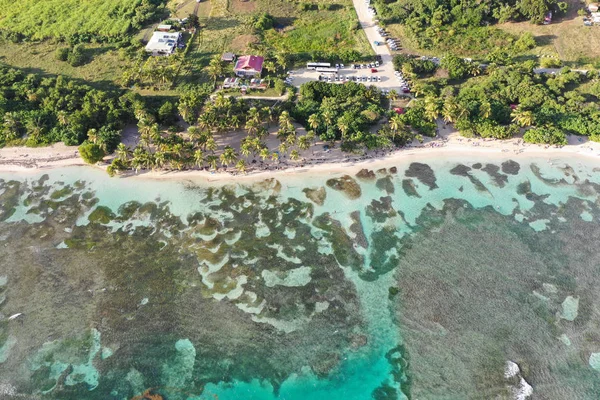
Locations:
(318, 65)
(324, 70)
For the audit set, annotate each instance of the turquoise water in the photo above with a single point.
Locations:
(411, 281)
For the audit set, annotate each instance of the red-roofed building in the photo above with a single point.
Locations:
(249, 66)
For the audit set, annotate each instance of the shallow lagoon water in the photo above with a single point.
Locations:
(413, 281)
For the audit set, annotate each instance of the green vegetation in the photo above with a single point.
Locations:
(198, 148)
(75, 21)
(343, 112)
(461, 27)
(39, 111)
(508, 100)
(91, 152)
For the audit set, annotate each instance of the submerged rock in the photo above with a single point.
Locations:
(358, 341)
(570, 306)
(316, 195)
(423, 173)
(409, 188)
(386, 184)
(366, 175)
(518, 386)
(347, 185)
(511, 167)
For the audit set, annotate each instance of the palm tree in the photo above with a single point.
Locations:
(204, 121)
(246, 148)
(485, 109)
(343, 126)
(523, 117)
(252, 126)
(450, 110)
(194, 132)
(211, 144)
(160, 159)
(254, 115)
(275, 156)
(283, 148)
(228, 156)
(270, 66)
(199, 158)
(212, 161)
(314, 121)
(474, 69)
(282, 60)
(294, 155)
(328, 117)
(123, 152)
(234, 121)
(432, 108)
(392, 95)
(92, 135)
(396, 123)
(139, 159)
(62, 117)
(304, 142)
(215, 67)
(241, 166)
(265, 153)
(285, 121)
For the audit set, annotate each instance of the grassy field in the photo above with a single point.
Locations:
(62, 18)
(568, 40)
(335, 30)
(102, 70)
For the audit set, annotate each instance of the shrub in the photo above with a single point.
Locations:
(76, 56)
(167, 113)
(550, 62)
(62, 53)
(545, 135)
(91, 153)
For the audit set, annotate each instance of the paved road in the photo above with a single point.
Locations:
(386, 69)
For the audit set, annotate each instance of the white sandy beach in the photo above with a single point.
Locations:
(316, 160)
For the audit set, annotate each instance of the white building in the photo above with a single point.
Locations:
(163, 43)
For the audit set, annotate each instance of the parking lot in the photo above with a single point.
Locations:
(366, 73)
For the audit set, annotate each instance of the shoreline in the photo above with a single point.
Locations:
(452, 147)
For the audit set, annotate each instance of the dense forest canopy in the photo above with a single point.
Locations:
(43, 110)
(507, 99)
(75, 20)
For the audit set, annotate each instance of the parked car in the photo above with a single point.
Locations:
(373, 70)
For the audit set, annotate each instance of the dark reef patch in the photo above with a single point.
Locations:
(510, 167)
(409, 188)
(346, 185)
(493, 171)
(366, 175)
(424, 173)
(386, 184)
(316, 195)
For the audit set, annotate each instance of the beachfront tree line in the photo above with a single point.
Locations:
(38, 111)
(354, 115)
(503, 101)
(199, 147)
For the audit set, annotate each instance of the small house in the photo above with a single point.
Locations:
(163, 28)
(593, 7)
(163, 43)
(249, 66)
(228, 57)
